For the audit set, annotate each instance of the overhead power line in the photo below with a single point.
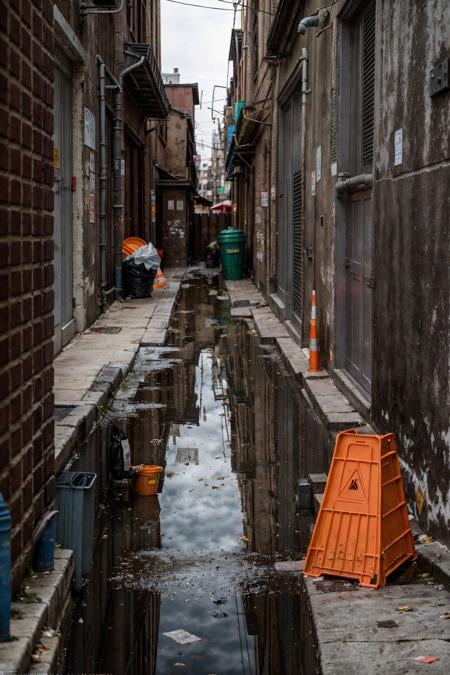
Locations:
(190, 4)
(222, 9)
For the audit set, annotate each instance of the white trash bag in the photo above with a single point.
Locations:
(146, 255)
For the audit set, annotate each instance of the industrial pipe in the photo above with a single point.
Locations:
(5, 570)
(117, 176)
(347, 184)
(87, 9)
(104, 73)
(317, 20)
(308, 22)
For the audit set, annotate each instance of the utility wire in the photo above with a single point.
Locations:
(222, 9)
(190, 4)
(252, 9)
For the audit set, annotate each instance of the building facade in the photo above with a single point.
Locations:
(340, 131)
(26, 270)
(177, 174)
(79, 137)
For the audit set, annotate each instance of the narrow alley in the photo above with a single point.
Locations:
(198, 557)
(224, 337)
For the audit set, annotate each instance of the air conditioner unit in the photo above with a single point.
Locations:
(101, 4)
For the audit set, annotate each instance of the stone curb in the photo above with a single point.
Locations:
(44, 608)
(76, 426)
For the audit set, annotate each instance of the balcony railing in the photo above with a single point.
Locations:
(145, 84)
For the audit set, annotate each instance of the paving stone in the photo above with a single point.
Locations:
(351, 639)
(244, 312)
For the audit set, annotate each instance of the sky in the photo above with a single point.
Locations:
(197, 42)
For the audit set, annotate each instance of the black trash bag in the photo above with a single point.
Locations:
(120, 456)
(137, 280)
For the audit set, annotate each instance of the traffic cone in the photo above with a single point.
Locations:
(160, 280)
(314, 354)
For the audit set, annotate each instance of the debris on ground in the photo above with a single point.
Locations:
(426, 659)
(182, 637)
(404, 608)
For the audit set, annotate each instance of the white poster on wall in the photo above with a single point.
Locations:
(89, 128)
(318, 163)
(398, 147)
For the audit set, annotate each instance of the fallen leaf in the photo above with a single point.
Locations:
(426, 659)
(246, 540)
(404, 608)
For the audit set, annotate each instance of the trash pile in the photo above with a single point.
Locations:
(139, 271)
(212, 256)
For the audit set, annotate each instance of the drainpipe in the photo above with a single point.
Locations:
(117, 176)
(104, 74)
(103, 182)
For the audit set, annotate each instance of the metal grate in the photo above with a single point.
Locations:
(367, 85)
(297, 221)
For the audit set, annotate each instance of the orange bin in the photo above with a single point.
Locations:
(147, 480)
(362, 531)
(131, 245)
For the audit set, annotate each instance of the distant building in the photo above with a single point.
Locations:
(171, 78)
(177, 174)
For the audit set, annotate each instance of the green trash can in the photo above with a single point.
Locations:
(232, 249)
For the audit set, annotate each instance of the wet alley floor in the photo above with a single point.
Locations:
(199, 557)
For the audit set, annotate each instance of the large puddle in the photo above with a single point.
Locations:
(217, 410)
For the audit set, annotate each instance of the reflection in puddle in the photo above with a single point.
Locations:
(216, 410)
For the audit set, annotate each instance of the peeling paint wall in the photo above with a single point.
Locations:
(411, 393)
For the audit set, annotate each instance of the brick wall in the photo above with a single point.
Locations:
(26, 267)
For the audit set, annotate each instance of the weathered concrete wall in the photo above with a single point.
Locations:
(104, 35)
(411, 392)
(176, 148)
(182, 98)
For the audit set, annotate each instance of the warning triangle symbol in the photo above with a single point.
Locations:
(353, 488)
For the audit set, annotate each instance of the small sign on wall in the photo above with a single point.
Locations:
(89, 128)
(398, 147)
(313, 183)
(318, 163)
(264, 199)
(180, 205)
(170, 205)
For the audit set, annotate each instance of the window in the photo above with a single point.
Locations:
(364, 87)
(136, 16)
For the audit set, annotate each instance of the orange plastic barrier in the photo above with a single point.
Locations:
(160, 279)
(131, 245)
(146, 482)
(362, 530)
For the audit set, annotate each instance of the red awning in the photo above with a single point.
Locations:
(222, 207)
